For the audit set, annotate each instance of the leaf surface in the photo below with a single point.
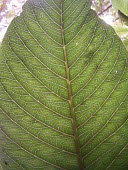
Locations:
(121, 5)
(63, 90)
(122, 32)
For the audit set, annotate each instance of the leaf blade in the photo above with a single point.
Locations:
(42, 116)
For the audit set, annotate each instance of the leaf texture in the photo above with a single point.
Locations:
(63, 90)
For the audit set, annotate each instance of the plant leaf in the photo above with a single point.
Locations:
(122, 31)
(121, 5)
(63, 90)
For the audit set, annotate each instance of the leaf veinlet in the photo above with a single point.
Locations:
(73, 117)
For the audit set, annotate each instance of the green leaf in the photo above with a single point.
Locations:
(63, 90)
(122, 31)
(121, 5)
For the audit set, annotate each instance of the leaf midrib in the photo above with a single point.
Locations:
(72, 112)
